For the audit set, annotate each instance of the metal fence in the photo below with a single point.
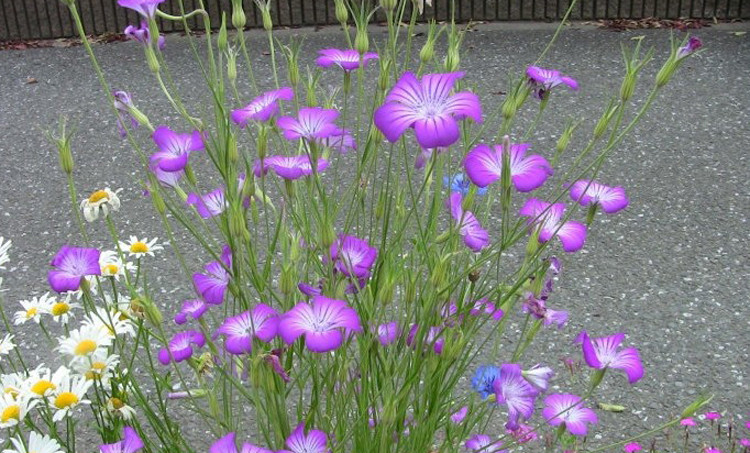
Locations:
(38, 19)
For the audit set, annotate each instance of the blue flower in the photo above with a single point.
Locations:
(484, 379)
(460, 183)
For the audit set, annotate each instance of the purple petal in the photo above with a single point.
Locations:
(439, 130)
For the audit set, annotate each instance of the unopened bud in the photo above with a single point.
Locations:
(628, 86)
(289, 279)
(428, 51)
(388, 5)
(361, 41)
(267, 21)
(342, 13)
(509, 107)
(452, 59)
(666, 72)
(153, 62)
(65, 155)
(238, 15)
(231, 66)
(190, 174)
(222, 42)
(384, 77)
(232, 152)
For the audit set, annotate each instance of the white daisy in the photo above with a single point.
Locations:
(102, 200)
(4, 247)
(112, 266)
(13, 410)
(111, 321)
(62, 309)
(12, 384)
(69, 394)
(83, 342)
(33, 309)
(99, 367)
(118, 409)
(6, 344)
(37, 444)
(140, 247)
(42, 382)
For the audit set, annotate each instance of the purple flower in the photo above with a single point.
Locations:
(209, 205)
(315, 441)
(523, 433)
(538, 376)
(611, 199)
(311, 123)
(483, 443)
(261, 322)
(543, 80)
(227, 445)
(484, 306)
(745, 443)
(549, 218)
(602, 353)
(263, 107)
(433, 338)
(712, 415)
(461, 184)
(484, 165)
(475, 237)
(174, 148)
(688, 422)
(146, 8)
(425, 155)
(388, 333)
(166, 178)
(347, 59)
(459, 416)
(427, 106)
(632, 447)
(537, 307)
(512, 390)
(342, 141)
(142, 35)
(324, 323)
(123, 102)
(180, 347)
(191, 307)
(566, 408)
(213, 284)
(274, 361)
(692, 45)
(130, 443)
(71, 265)
(483, 381)
(352, 256)
(289, 167)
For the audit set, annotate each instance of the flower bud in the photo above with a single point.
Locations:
(597, 377)
(342, 13)
(665, 73)
(361, 41)
(237, 222)
(603, 123)
(145, 307)
(232, 152)
(158, 201)
(238, 15)
(140, 117)
(388, 5)
(222, 42)
(231, 66)
(452, 59)
(564, 141)
(289, 279)
(628, 86)
(65, 155)
(428, 51)
(385, 71)
(509, 107)
(267, 21)
(153, 62)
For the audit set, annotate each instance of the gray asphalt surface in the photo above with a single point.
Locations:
(672, 270)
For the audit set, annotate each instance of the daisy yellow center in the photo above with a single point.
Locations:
(12, 411)
(60, 308)
(11, 391)
(85, 347)
(98, 196)
(42, 386)
(116, 403)
(110, 269)
(31, 312)
(65, 399)
(96, 370)
(138, 247)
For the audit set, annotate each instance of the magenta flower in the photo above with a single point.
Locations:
(484, 166)
(538, 376)
(611, 199)
(484, 306)
(289, 167)
(72, 264)
(166, 178)
(712, 415)
(324, 323)
(174, 148)
(537, 307)
(483, 443)
(123, 102)
(346, 59)
(315, 441)
(566, 408)
(433, 338)
(209, 205)
(688, 422)
(227, 445)
(745, 443)
(142, 35)
(632, 447)
(688, 49)
(424, 156)
(512, 390)
(353, 256)
(602, 353)
(180, 347)
(711, 450)
(212, 285)
(193, 308)
(475, 237)
(342, 141)
(549, 218)
(427, 106)
(388, 333)
(261, 322)
(310, 290)
(311, 123)
(459, 416)
(263, 107)
(543, 80)
(130, 443)
(523, 434)
(146, 8)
